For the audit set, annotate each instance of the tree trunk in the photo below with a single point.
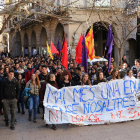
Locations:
(120, 53)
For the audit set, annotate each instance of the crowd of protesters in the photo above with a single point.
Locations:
(24, 77)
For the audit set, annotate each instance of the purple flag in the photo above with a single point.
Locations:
(84, 62)
(59, 48)
(109, 44)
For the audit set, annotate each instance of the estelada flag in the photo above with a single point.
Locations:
(65, 54)
(53, 49)
(90, 44)
(49, 51)
(78, 49)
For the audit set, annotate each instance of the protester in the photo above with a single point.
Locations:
(114, 63)
(72, 72)
(20, 71)
(93, 76)
(21, 83)
(52, 81)
(16, 68)
(1, 79)
(85, 80)
(100, 78)
(66, 80)
(115, 74)
(34, 84)
(9, 96)
(28, 73)
(77, 77)
(43, 75)
(124, 59)
(38, 71)
(129, 75)
(6, 71)
(58, 76)
(24, 67)
(136, 68)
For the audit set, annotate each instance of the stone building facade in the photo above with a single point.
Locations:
(31, 37)
(4, 37)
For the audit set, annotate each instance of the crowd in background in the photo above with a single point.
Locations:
(29, 77)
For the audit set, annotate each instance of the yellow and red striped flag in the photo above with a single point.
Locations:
(90, 44)
(49, 51)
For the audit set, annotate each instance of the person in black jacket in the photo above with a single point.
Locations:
(1, 79)
(43, 75)
(9, 96)
(100, 78)
(67, 80)
(51, 80)
(21, 83)
(58, 76)
(85, 80)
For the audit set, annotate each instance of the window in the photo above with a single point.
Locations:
(102, 2)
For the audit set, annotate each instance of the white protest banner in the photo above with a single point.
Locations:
(114, 101)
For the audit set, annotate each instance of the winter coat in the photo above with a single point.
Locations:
(28, 74)
(10, 89)
(26, 94)
(42, 91)
(34, 88)
(43, 88)
(42, 77)
(63, 84)
(21, 89)
(100, 81)
(1, 79)
(86, 83)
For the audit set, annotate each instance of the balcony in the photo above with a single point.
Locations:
(25, 22)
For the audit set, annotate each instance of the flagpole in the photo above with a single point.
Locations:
(104, 56)
(57, 48)
(63, 41)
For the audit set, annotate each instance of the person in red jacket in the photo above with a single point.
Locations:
(28, 72)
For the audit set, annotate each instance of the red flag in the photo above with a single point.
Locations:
(78, 49)
(53, 49)
(65, 54)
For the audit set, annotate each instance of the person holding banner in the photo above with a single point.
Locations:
(100, 78)
(21, 83)
(52, 81)
(67, 80)
(93, 75)
(129, 75)
(115, 74)
(85, 80)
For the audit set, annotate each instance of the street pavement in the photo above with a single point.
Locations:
(25, 130)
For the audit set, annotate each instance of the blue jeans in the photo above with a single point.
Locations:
(22, 105)
(34, 101)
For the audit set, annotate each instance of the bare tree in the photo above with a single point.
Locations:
(53, 8)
